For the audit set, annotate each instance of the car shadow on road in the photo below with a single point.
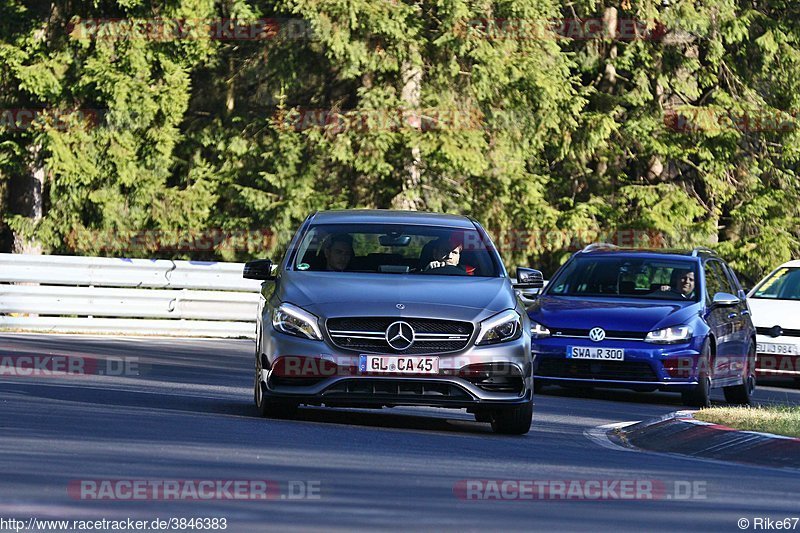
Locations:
(119, 399)
(766, 393)
(384, 418)
(619, 395)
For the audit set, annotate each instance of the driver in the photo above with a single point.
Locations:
(338, 251)
(681, 281)
(446, 253)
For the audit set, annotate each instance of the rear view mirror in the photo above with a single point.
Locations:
(395, 239)
(528, 278)
(260, 269)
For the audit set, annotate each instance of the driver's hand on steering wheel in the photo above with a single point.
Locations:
(435, 264)
(666, 288)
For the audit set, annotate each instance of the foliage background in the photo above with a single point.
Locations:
(685, 133)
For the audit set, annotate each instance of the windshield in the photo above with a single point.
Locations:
(396, 249)
(625, 277)
(783, 284)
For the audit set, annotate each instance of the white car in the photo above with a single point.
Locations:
(775, 307)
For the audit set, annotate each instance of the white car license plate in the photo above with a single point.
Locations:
(402, 364)
(604, 354)
(780, 349)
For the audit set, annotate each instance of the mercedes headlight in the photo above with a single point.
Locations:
(290, 319)
(503, 327)
(669, 335)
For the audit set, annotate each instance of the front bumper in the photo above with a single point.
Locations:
(481, 376)
(646, 366)
(773, 358)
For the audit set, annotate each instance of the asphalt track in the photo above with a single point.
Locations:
(184, 412)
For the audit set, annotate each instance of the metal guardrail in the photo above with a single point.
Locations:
(68, 294)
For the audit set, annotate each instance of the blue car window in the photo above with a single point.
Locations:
(716, 280)
(627, 277)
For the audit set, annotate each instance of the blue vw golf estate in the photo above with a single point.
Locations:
(645, 320)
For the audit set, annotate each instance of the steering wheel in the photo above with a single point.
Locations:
(671, 292)
(449, 270)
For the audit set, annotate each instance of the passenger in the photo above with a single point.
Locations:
(338, 251)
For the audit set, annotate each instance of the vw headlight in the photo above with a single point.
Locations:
(671, 335)
(292, 320)
(538, 331)
(503, 327)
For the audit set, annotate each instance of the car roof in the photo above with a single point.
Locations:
(795, 263)
(391, 216)
(661, 253)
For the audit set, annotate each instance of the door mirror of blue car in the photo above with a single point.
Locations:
(528, 278)
(725, 299)
(260, 269)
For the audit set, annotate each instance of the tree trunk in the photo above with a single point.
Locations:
(230, 93)
(410, 197)
(611, 22)
(27, 200)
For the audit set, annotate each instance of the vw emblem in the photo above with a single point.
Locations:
(400, 335)
(597, 334)
(400, 306)
(775, 331)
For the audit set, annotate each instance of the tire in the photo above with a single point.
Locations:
(583, 390)
(267, 407)
(742, 394)
(699, 396)
(513, 420)
(483, 416)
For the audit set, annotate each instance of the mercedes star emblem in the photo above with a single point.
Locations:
(400, 335)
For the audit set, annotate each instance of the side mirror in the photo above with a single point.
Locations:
(725, 299)
(259, 269)
(528, 278)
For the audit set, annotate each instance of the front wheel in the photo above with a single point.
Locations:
(742, 394)
(483, 416)
(700, 394)
(513, 420)
(267, 407)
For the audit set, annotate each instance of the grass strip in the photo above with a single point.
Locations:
(777, 419)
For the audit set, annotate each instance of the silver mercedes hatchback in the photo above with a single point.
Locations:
(378, 308)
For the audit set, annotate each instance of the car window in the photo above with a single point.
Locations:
(396, 249)
(733, 280)
(626, 277)
(716, 280)
(783, 284)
